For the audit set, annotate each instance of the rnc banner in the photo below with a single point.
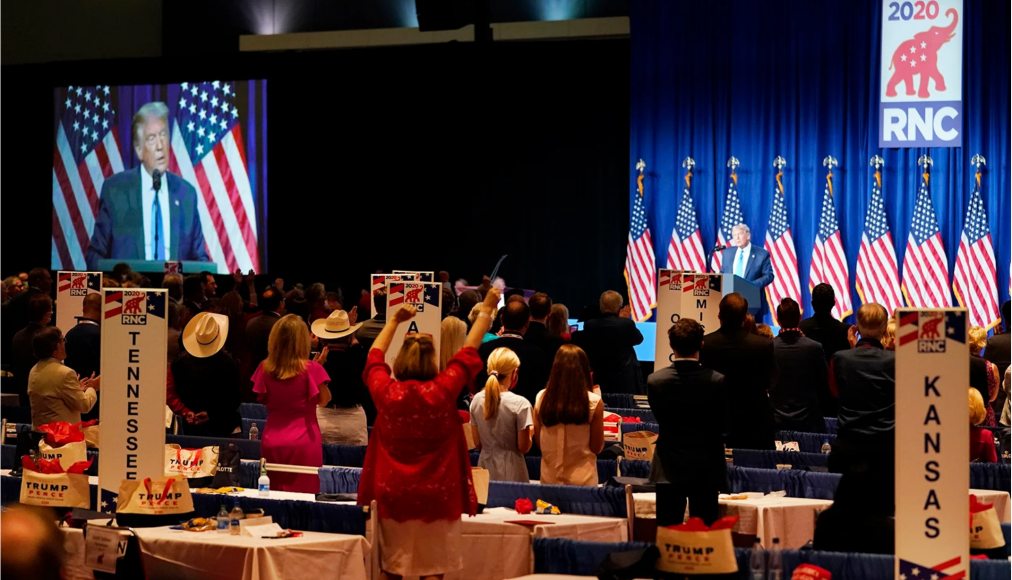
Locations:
(379, 282)
(669, 308)
(427, 298)
(932, 444)
(71, 288)
(132, 426)
(921, 101)
(701, 294)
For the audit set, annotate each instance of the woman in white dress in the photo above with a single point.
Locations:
(501, 420)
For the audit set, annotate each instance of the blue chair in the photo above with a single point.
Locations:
(996, 476)
(247, 423)
(564, 556)
(832, 424)
(642, 414)
(339, 479)
(769, 459)
(252, 411)
(346, 455)
(621, 400)
(808, 442)
(297, 515)
(571, 499)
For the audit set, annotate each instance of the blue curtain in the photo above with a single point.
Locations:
(800, 79)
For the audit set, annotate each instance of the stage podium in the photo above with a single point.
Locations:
(750, 291)
(156, 267)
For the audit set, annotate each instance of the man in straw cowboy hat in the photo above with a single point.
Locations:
(344, 419)
(206, 378)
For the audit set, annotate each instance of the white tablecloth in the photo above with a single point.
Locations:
(792, 519)
(175, 554)
(494, 549)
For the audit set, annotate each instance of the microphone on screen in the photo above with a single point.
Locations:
(156, 179)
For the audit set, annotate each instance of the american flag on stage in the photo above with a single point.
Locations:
(952, 569)
(780, 245)
(925, 267)
(640, 267)
(685, 252)
(731, 217)
(829, 261)
(975, 280)
(85, 154)
(878, 277)
(208, 151)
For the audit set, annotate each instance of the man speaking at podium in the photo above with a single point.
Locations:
(745, 259)
(145, 212)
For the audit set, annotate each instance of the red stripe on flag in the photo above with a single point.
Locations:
(212, 209)
(225, 168)
(89, 186)
(61, 244)
(68, 195)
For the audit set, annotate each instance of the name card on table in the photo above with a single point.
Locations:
(669, 309)
(71, 288)
(932, 444)
(132, 426)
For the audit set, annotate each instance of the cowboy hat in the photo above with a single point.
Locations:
(336, 325)
(205, 334)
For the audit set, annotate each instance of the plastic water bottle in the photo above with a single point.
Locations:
(222, 519)
(826, 448)
(234, 518)
(757, 562)
(254, 432)
(264, 483)
(775, 567)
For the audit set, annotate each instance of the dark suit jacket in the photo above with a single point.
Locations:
(799, 384)
(866, 378)
(746, 361)
(827, 331)
(998, 351)
(687, 400)
(609, 343)
(758, 270)
(119, 229)
(533, 369)
(84, 349)
(258, 330)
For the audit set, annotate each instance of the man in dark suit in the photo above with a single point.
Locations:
(147, 213)
(827, 331)
(609, 342)
(686, 400)
(801, 379)
(537, 332)
(84, 344)
(534, 370)
(258, 331)
(746, 361)
(999, 346)
(749, 261)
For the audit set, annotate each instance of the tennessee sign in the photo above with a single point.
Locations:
(921, 101)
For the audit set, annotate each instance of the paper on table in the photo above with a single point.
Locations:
(266, 530)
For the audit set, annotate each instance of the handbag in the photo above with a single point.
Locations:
(226, 474)
(67, 454)
(985, 529)
(55, 489)
(191, 463)
(695, 548)
(166, 495)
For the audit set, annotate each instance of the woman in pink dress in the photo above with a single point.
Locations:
(292, 386)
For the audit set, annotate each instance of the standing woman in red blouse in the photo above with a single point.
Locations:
(416, 465)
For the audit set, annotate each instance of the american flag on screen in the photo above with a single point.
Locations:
(685, 252)
(640, 267)
(731, 217)
(925, 266)
(208, 152)
(829, 261)
(783, 258)
(975, 280)
(85, 155)
(878, 277)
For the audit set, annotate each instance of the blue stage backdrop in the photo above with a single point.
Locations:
(800, 79)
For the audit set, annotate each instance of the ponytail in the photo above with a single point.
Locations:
(492, 395)
(502, 362)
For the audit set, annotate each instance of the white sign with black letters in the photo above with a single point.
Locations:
(669, 308)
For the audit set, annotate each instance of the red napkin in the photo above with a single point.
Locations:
(523, 506)
(631, 420)
(59, 433)
(811, 572)
(697, 525)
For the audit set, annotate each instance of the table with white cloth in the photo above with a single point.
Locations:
(792, 519)
(168, 553)
(494, 549)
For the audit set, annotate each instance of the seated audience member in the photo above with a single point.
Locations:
(206, 378)
(860, 519)
(292, 386)
(501, 421)
(31, 546)
(608, 342)
(746, 361)
(982, 447)
(801, 374)
(515, 317)
(344, 421)
(55, 391)
(685, 398)
(822, 327)
(40, 315)
(569, 421)
(984, 374)
(416, 467)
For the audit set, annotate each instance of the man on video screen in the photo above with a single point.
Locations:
(147, 213)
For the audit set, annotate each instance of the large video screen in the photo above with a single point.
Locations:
(160, 173)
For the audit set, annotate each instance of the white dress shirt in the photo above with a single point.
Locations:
(147, 200)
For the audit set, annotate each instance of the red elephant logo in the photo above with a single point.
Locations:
(919, 56)
(414, 295)
(133, 305)
(77, 282)
(929, 329)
